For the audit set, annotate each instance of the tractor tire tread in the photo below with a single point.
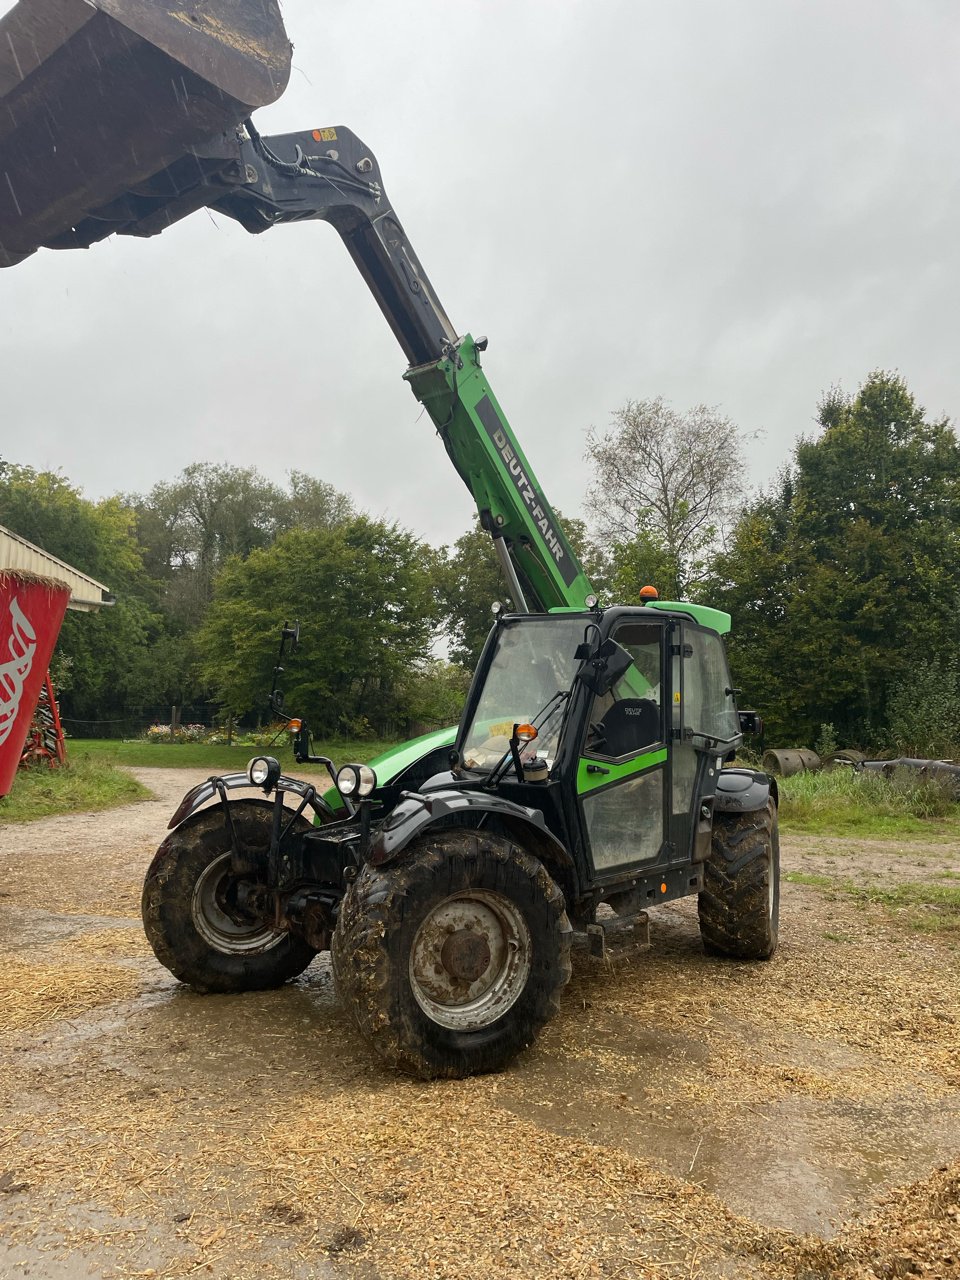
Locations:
(734, 902)
(165, 911)
(370, 978)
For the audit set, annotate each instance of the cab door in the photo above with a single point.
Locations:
(622, 773)
(704, 723)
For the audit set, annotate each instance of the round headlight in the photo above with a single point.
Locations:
(356, 779)
(258, 770)
(368, 780)
(348, 779)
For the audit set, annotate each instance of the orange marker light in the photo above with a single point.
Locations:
(295, 726)
(648, 593)
(663, 888)
(526, 732)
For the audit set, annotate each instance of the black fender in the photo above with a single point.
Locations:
(744, 791)
(416, 813)
(199, 795)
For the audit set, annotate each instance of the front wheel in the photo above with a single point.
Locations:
(739, 904)
(453, 960)
(190, 907)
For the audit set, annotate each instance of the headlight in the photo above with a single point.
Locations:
(356, 780)
(263, 771)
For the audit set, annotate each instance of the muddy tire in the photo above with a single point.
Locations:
(185, 910)
(453, 960)
(739, 904)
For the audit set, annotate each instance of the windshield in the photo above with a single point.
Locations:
(533, 662)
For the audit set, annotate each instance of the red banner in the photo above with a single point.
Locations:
(31, 612)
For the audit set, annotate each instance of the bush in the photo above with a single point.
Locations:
(826, 744)
(161, 734)
(182, 733)
(924, 712)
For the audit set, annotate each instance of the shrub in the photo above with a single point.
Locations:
(924, 712)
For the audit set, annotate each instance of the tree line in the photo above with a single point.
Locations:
(842, 578)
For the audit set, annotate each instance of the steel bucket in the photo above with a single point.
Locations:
(97, 96)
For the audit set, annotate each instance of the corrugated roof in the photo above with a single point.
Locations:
(17, 553)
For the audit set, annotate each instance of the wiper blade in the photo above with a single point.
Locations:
(543, 715)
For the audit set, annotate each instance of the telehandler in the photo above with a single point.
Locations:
(586, 779)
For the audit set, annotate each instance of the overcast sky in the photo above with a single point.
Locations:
(730, 202)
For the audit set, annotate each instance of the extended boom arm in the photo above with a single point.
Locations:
(330, 174)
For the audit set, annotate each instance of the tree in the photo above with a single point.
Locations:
(111, 655)
(472, 580)
(191, 526)
(844, 584)
(364, 594)
(666, 486)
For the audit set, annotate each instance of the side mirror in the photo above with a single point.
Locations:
(609, 664)
(291, 633)
(750, 721)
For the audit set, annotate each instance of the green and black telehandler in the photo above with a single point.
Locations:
(586, 780)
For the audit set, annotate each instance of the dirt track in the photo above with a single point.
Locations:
(683, 1117)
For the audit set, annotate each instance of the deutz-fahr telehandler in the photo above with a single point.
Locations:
(586, 780)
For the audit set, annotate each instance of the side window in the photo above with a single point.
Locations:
(707, 704)
(630, 717)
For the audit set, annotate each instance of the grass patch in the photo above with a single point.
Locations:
(804, 877)
(844, 803)
(83, 785)
(927, 908)
(217, 757)
(96, 776)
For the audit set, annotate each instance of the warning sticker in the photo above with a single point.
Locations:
(324, 135)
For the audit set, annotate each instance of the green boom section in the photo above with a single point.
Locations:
(457, 396)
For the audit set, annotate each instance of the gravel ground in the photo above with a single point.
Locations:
(683, 1117)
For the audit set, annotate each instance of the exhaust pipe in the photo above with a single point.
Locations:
(99, 96)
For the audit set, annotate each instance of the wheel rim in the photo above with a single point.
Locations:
(215, 926)
(470, 960)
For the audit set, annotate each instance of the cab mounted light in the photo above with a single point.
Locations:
(264, 771)
(648, 593)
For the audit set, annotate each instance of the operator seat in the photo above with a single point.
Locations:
(627, 726)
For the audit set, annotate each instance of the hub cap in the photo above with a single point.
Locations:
(470, 960)
(215, 926)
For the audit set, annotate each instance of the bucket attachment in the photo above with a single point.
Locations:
(99, 96)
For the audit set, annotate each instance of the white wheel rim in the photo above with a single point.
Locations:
(218, 929)
(470, 960)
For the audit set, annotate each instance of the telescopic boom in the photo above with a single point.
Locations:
(124, 116)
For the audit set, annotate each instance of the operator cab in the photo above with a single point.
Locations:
(634, 714)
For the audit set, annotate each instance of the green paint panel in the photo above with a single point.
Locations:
(615, 772)
(396, 759)
(715, 619)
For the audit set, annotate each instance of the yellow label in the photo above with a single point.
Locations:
(324, 135)
(503, 729)
(676, 698)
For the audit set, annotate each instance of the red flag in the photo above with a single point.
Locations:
(31, 613)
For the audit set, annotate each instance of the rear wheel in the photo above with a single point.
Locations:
(739, 904)
(191, 913)
(453, 960)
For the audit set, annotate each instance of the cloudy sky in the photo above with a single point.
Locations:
(730, 202)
